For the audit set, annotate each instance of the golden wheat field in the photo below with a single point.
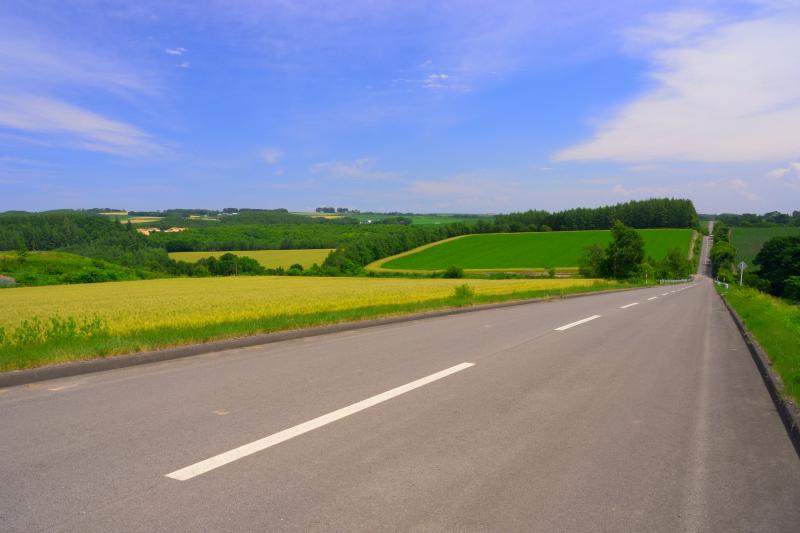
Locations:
(267, 258)
(142, 305)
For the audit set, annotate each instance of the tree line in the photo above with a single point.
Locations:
(653, 213)
(773, 218)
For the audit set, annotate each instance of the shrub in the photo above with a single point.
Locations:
(462, 292)
(791, 288)
(591, 262)
(453, 272)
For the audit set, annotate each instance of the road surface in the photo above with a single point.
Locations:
(632, 411)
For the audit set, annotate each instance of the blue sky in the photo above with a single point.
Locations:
(457, 106)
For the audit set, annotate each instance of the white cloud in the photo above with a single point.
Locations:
(179, 51)
(467, 192)
(641, 192)
(362, 169)
(185, 64)
(271, 155)
(673, 28)
(723, 92)
(436, 81)
(788, 176)
(69, 125)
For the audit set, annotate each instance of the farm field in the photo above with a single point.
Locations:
(748, 241)
(267, 258)
(40, 325)
(416, 219)
(123, 216)
(558, 249)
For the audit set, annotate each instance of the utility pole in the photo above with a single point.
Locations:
(742, 266)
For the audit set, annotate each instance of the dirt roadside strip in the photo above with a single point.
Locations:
(788, 411)
(75, 368)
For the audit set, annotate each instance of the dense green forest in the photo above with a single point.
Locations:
(653, 213)
(82, 234)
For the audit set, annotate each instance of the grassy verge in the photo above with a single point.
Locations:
(776, 325)
(56, 341)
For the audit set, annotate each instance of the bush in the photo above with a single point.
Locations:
(590, 264)
(89, 275)
(779, 262)
(462, 292)
(791, 288)
(722, 256)
(453, 272)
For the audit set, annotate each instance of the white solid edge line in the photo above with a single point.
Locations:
(262, 444)
(653, 298)
(576, 323)
(629, 305)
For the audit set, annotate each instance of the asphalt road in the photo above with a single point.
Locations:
(649, 417)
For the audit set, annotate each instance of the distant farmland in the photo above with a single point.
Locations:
(267, 258)
(558, 249)
(748, 241)
(415, 219)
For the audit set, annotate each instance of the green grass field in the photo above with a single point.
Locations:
(775, 323)
(560, 249)
(748, 241)
(267, 258)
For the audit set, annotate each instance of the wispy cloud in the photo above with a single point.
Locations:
(271, 155)
(71, 125)
(31, 57)
(788, 175)
(724, 91)
(433, 81)
(179, 51)
(467, 191)
(41, 73)
(358, 169)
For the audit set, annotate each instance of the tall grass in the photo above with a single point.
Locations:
(775, 323)
(37, 342)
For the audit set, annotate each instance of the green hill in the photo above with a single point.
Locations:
(560, 249)
(52, 268)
